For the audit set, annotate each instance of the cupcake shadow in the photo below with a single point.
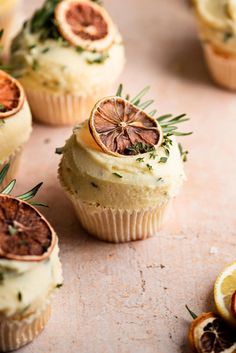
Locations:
(186, 61)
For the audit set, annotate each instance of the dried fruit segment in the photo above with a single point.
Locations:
(120, 128)
(85, 24)
(233, 304)
(11, 95)
(210, 334)
(24, 234)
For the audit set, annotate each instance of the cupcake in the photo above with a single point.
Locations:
(67, 56)
(30, 271)
(217, 23)
(121, 168)
(7, 16)
(15, 122)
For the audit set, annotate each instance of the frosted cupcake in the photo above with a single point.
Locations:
(217, 28)
(30, 271)
(7, 16)
(15, 122)
(121, 169)
(68, 56)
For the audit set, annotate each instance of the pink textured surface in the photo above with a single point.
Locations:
(130, 298)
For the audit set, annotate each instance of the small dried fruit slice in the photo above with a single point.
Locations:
(233, 304)
(11, 95)
(210, 334)
(25, 235)
(120, 128)
(224, 289)
(85, 24)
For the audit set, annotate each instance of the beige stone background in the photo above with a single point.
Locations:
(131, 298)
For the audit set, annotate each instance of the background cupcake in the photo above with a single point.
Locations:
(68, 56)
(15, 122)
(121, 169)
(217, 23)
(30, 271)
(7, 17)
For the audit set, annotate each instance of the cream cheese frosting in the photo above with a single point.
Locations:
(122, 182)
(217, 22)
(59, 67)
(14, 132)
(25, 286)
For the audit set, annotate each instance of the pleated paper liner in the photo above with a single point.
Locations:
(62, 109)
(221, 66)
(17, 333)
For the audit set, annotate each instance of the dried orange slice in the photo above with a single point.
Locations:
(85, 24)
(25, 235)
(120, 128)
(11, 95)
(233, 304)
(210, 334)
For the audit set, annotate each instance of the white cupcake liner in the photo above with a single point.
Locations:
(62, 109)
(222, 67)
(120, 225)
(14, 160)
(17, 333)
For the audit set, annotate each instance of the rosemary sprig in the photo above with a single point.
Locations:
(168, 122)
(192, 314)
(29, 195)
(43, 21)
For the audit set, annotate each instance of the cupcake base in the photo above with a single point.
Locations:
(17, 333)
(61, 109)
(14, 161)
(119, 226)
(222, 67)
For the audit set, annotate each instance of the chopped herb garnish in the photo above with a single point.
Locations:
(32, 46)
(140, 159)
(79, 49)
(23, 242)
(98, 59)
(3, 109)
(35, 65)
(59, 285)
(2, 122)
(45, 50)
(149, 166)
(227, 36)
(159, 179)
(59, 150)
(184, 154)
(139, 148)
(94, 185)
(117, 175)
(1, 278)
(19, 296)
(152, 155)
(163, 160)
(12, 230)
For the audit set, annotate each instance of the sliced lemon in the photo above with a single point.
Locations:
(225, 287)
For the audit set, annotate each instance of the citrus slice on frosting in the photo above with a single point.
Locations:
(121, 129)
(231, 9)
(25, 235)
(225, 287)
(210, 334)
(11, 95)
(85, 24)
(214, 12)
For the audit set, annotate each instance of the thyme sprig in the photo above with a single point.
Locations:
(168, 122)
(27, 196)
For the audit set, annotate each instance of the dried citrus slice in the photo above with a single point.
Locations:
(233, 304)
(85, 24)
(225, 287)
(120, 128)
(25, 235)
(213, 12)
(210, 334)
(11, 95)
